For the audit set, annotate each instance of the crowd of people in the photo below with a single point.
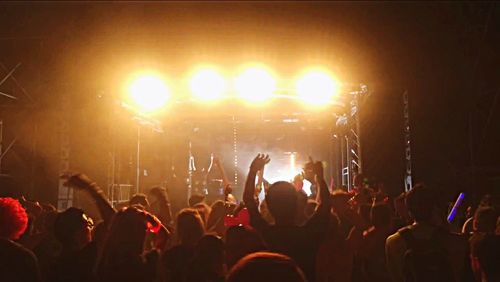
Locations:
(334, 235)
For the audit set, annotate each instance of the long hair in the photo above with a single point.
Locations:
(125, 238)
(190, 227)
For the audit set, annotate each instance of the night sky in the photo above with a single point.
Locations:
(446, 55)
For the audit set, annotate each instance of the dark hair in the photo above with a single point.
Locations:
(124, 244)
(485, 219)
(208, 261)
(281, 201)
(264, 267)
(421, 202)
(380, 215)
(241, 241)
(195, 199)
(190, 227)
(68, 223)
(139, 199)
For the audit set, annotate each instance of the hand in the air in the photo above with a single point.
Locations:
(228, 190)
(77, 180)
(259, 162)
(313, 170)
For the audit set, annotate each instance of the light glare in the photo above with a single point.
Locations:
(149, 93)
(316, 88)
(255, 85)
(207, 85)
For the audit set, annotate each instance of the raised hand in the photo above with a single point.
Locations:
(313, 168)
(77, 180)
(308, 171)
(318, 169)
(259, 162)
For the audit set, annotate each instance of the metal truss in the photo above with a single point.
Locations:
(349, 134)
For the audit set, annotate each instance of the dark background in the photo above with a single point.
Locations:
(444, 54)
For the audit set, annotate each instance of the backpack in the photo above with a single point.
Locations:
(426, 260)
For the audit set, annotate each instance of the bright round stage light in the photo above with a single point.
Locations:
(255, 85)
(207, 85)
(317, 88)
(149, 93)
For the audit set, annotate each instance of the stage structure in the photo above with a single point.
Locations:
(348, 135)
(253, 110)
(17, 105)
(408, 182)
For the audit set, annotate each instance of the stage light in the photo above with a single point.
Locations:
(255, 84)
(149, 93)
(316, 87)
(207, 85)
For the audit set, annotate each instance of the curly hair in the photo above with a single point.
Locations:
(13, 218)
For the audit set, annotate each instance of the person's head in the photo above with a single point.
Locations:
(190, 227)
(126, 236)
(139, 199)
(13, 219)
(204, 210)
(209, 252)
(195, 199)
(241, 241)
(485, 219)
(421, 203)
(340, 201)
(264, 267)
(488, 254)
(215, 221)
(282, 202)
(380, 215)
(73, 228)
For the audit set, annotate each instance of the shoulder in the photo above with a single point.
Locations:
(396, 240)
(15, 249)
(18, 254)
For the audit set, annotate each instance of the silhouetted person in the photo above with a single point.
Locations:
(16, 262)
(265, 267)
(285, 236)
(484, 225)
(425, 251)
(372, 250)
(123, 257)
(189, 229)
(241, 241)
(73, 228)
(488, 255)
(208, 261)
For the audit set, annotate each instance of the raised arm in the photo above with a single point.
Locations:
(324, 198)
(249, 194)
(164, 212)
(83, 182)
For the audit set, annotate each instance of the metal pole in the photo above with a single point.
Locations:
(137, 181)
(358, 133)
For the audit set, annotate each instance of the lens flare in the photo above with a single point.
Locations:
(149, 93)
(207, 85)
(255, 84)
(317, 88)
